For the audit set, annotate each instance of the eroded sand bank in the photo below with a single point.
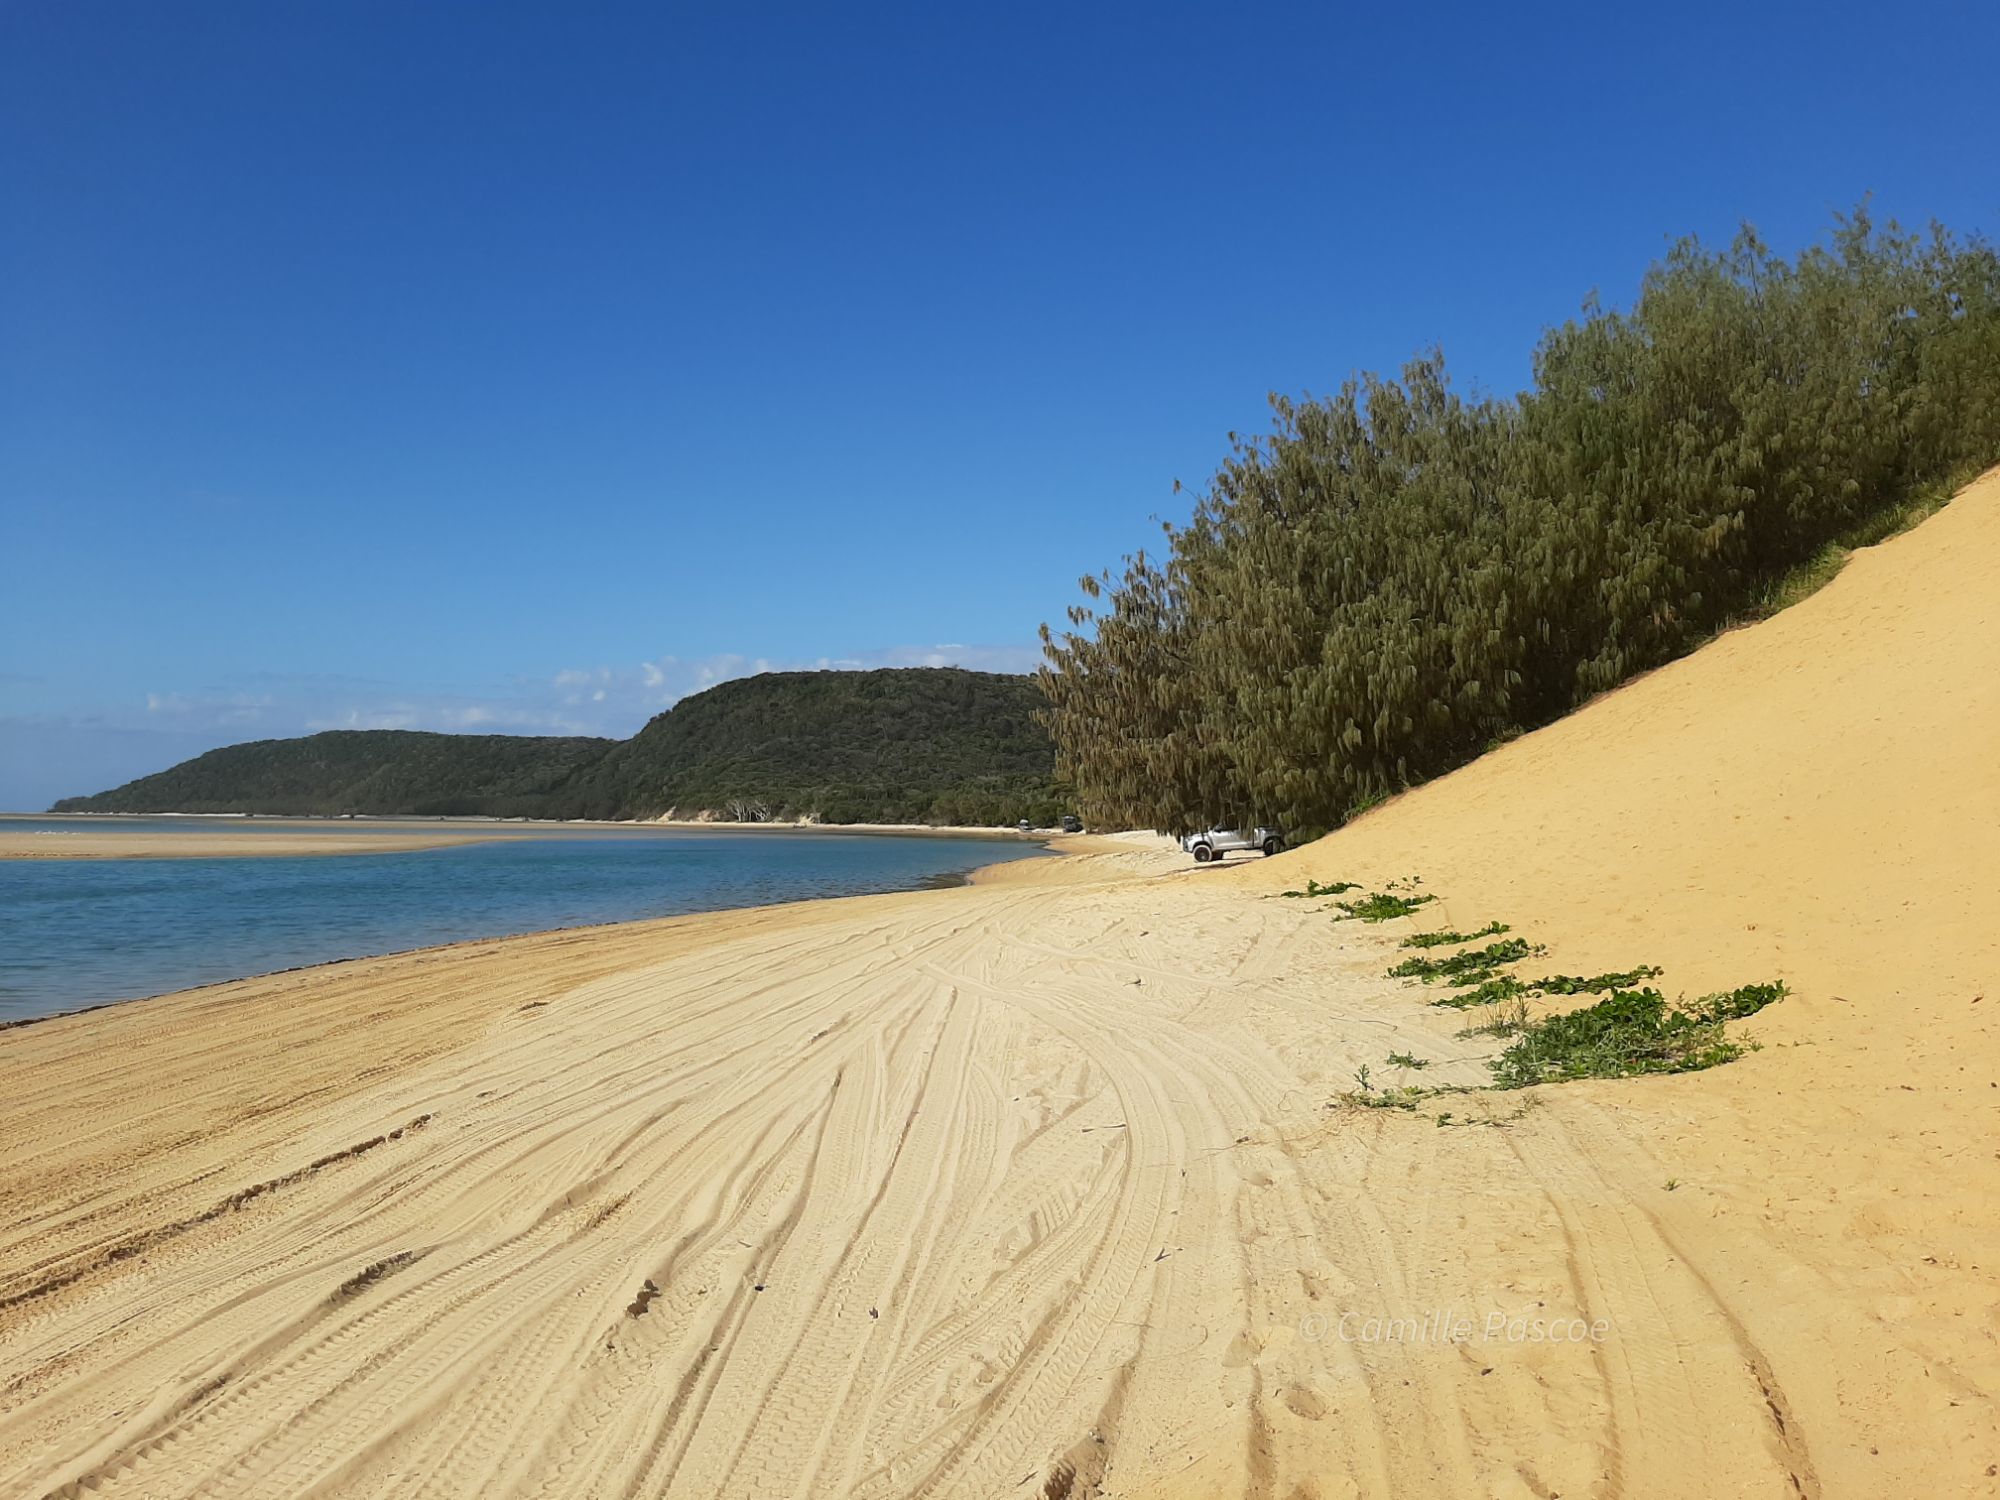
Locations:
(1034, 1187)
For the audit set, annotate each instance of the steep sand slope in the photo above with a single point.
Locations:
(1815, 798)
(1818, 795)
(1034, 1188)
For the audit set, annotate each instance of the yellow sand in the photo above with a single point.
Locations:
(79, 839)
(93, 843)
(1033, 1188)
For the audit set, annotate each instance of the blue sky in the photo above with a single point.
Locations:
(522, 368)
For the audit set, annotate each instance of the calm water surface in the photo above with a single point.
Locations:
(77, 932)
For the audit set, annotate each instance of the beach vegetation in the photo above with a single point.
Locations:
(1471, 966)
(1489, 990)
(1507, 1018)
(1628, 1033)
(1380, 906)
(1314, 888)
(1449, 939)
(1399, 576)
(1488, 987)
(1595, 984)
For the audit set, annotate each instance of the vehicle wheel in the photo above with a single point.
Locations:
(1271, 847)
(1203, 854)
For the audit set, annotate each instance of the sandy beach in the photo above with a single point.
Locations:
(222, 838)
(1042, 1187)
(91, 843)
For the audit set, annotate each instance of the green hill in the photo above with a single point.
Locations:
(902, 745)
(907, 745)
(361, 771)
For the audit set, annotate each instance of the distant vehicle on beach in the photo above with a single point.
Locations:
(1217, 842)
(1071, 823)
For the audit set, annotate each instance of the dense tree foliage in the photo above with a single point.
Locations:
(904, 745)
(1398, 577)
(907, 745)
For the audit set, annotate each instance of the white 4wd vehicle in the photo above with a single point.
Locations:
(1219, 841)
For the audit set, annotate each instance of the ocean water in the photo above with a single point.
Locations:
(83, 931)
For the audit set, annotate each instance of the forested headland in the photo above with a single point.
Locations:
(1399, 577)
(899, 745)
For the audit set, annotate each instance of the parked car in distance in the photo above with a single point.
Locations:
(1071, 823)
(1217, 842)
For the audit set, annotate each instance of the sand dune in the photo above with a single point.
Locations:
(1034, 1188)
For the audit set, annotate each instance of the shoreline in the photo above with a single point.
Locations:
(1102, 1103)
(194, 992)
(246, 835)
(976, 875)
(1095, 1176)
(94, 845)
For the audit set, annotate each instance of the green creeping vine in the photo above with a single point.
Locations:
(1629, 1033)
(1314, 888)
(1447, 939)
(1469, 967)
(1380, 906)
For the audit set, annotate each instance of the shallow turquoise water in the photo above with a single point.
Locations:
(78, 932)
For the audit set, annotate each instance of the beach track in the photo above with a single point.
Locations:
(1047, 1187)
(1028, 1189)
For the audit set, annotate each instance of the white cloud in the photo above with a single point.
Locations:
(448, 714)
(239, 709)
